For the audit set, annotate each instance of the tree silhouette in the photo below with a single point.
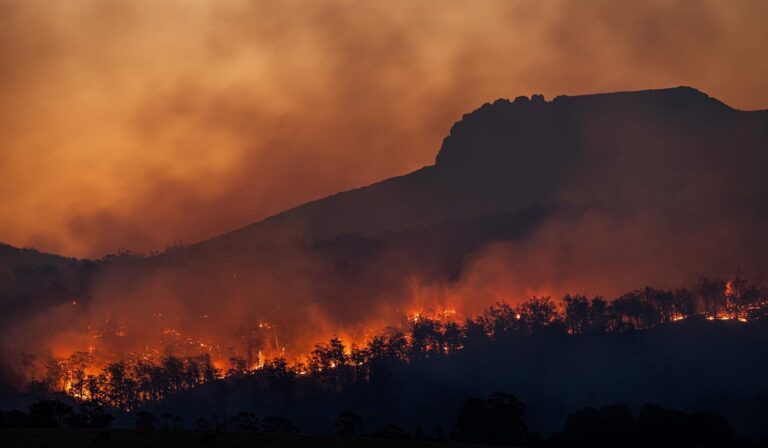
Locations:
(328, 356)
(608, 426)
(598, 315)
(391, 431)
(633, 311)
(237, 366)
(576, 313)
(278, 425)
(244, 421)
(426, 337)
(146, 420)
(348, 424)
(201, 424)
(51, 414)
(498, 420)
(711, 292)
(537, 313)
(93, 415)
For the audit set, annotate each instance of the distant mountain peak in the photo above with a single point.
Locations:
(673, 96)
(530, 122)
(511, 154)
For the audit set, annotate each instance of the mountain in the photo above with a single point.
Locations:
(594, 194)
(31, 280)
(511, 154)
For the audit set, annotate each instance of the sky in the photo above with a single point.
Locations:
(136, 124)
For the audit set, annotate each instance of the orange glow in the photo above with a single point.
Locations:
(85, 363)
(85, 183)
(440, 314)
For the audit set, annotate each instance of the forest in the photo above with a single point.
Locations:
(331, 388)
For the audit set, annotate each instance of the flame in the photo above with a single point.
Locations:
(81, 373)
(729, 289)
(441, 314)
(84, 358)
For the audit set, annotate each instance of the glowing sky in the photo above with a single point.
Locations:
(137, 123)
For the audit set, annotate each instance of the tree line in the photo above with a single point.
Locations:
(332, 365)
(498, 420)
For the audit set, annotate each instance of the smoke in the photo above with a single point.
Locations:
(607, 253)
(136, 124)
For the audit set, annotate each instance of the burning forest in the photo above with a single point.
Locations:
(338, 276)
(176, 362)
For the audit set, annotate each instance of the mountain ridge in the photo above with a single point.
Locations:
(416, 193)
(295, 223)
(589, 196)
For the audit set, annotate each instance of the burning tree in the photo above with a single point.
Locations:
(99, 377)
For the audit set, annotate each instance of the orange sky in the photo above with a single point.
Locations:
(134, 124)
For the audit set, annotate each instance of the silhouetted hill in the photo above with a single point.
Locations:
(14, 257)
(31, 284)
(595, 194)
(646, 145)
(592, 194)
(31, 280)
(621, 178)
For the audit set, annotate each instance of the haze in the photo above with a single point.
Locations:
(136, 124)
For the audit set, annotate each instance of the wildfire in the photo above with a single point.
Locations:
(439, 314)
(89, 375)
(108, 356)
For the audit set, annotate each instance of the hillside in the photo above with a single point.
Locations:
(618, 179)
(593, 194)
(31, 281)
(512, 154)
(691, 365)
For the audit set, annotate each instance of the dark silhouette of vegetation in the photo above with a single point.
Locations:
(497, 420)
(170, 421)
(391, 431)
(146, 420)
(57, 414)
(332, 366)
(201, 424)
(429, 343)
(611, 425)
(244, 421)
(615, 425)
(278, 425)
(349, 424)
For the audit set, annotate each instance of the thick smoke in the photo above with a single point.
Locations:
(135, 124)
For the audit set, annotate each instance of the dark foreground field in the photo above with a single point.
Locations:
(64, 438)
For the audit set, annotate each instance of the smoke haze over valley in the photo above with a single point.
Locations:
(137, 124)
(458, 218)
(596, 195)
